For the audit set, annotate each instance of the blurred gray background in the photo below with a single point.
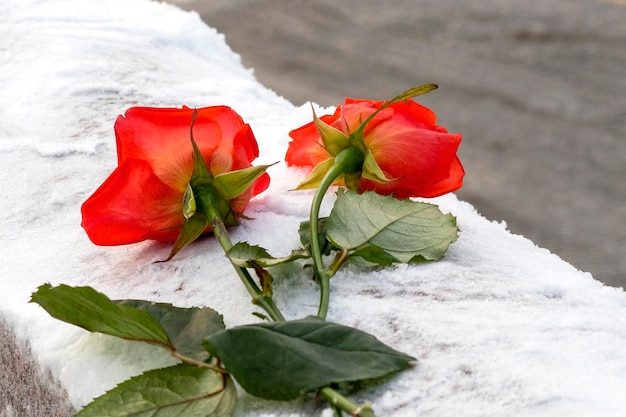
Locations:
(537, 88)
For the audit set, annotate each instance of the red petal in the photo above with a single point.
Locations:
(132, 205)
(453, 182)
(237, 149)
(419, 158)
(261, 184)
(160, 136)
(245, 140)
(403, 138)
(408, 145)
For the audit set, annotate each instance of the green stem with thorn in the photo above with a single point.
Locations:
(347, 161)
(258, 297)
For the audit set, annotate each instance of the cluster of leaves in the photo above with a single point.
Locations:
(289, 358)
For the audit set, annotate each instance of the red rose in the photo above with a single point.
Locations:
(417, 158)
(143, 197)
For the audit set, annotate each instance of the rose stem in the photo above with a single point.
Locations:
(345, 162)
(338, 401)
(258, 298)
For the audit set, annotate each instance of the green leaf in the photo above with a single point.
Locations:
(245, 255)
(404, 229)
(326, 246)
(94, 311)
(372, 255)
(334, 140)
(284, 360)
(177, 391)
(233, 183)
(186, 327)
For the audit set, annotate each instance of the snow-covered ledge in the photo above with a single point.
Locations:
(500, 326)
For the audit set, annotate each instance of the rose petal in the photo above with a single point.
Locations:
(242, 150)
(161, 136)
(419, 158)
(454, 181)
(132, 205)
(403, 138)
(261, 184)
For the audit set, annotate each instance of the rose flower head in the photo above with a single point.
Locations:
(166, 157)
(397, 147)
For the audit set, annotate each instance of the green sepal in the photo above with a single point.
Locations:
(412, 92)
(191, 230)
(353, 181)
(334, 140)
(206, 197)
(201, 173)
(372, 171)
(189, 203)
(193, 223)
(408, 94)
(179, 390)
(234, 183)
(316, 176)
(284, 360)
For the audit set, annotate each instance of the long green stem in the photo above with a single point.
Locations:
(340, 402)
(258, 298)
(322, 275)
(345, 161)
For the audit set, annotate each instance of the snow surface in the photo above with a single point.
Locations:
(500, 326)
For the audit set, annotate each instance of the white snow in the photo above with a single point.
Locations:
(500, 326)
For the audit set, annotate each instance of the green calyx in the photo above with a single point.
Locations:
(353, 165)
(334, 139)
(211, 203)
(207, 196)
(351, 159)
(347, 164)
(358, 161)
(340, 146)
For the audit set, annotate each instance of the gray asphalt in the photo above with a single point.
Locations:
(538, 89)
